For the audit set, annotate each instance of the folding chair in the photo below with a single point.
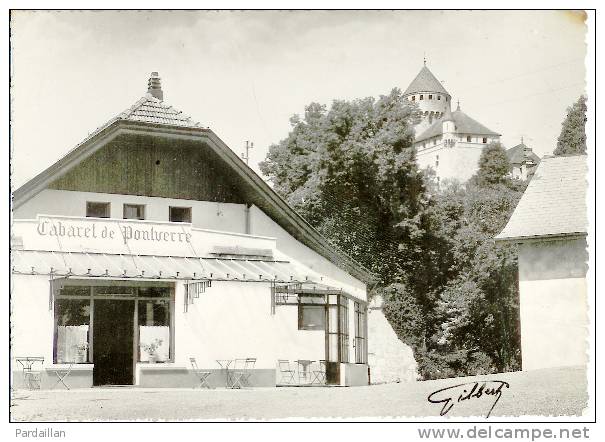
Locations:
(319, 375)
(285, 371)
(201, 374)
(242, 372)
(62, 375)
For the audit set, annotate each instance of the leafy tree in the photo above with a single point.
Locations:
(351, 172)
(493, 165)
(572, 140)
(449, 291)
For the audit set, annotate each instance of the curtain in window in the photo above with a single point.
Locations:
(152, 335)
(72, 343)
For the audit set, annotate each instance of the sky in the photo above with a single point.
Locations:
(244, 74)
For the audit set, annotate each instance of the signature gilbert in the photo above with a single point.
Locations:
(450, 396)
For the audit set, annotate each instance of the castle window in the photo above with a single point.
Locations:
(484, 140)
(430, 97)
(422, 97)
(437, 161)
(434, 141)
(438, 97)
(468, 139)
(413, 97)
(447, 99)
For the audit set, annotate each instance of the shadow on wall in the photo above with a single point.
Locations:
(390, 359)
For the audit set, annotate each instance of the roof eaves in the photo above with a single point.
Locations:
(542, 237)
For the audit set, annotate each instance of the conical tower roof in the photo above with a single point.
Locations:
(425, 81)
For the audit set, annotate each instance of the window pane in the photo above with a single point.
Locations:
(180, 214)
(114, 290)
(333, 348)
(154, 330)
(156, 312)
(154, 292)
(73, 322)
(313, 317)
(333, 319)
(75, 290)
(310, 299)
(97, 210)
(134, 211)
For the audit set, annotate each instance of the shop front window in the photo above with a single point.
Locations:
(76, 320)
(73, 326)
(154, 330)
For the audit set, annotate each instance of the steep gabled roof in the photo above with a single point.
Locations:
(520, 154)
(149, 109)
(425, 81)
(554, 203)
(151, 116)
(464, 125)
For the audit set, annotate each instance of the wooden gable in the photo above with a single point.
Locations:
(154, 166)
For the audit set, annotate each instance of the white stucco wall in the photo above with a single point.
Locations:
(31, 319)
(233, 320)
(553, 303)
(204, 214)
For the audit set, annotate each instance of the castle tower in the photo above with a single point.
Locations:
(431, 97)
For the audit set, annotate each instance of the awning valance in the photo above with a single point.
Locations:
(99, 265)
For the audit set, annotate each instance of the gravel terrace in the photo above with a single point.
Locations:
(542, 392)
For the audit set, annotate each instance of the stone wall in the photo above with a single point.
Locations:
(390, 359)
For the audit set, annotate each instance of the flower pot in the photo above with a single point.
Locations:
(153, 358)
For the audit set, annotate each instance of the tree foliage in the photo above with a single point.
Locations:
(572, 140)
(351, 172)
(449, 291)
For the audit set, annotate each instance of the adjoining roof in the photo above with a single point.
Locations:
(554, 203)
(149, 115)
(520, 154)
(425, 81)
(464, 125)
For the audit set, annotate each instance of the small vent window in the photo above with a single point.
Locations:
(134, 211)
(97, 210)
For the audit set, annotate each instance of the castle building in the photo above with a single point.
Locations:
(448, 142)
(523, 161)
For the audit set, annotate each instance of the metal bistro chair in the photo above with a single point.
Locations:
(319, 374)
(242, 372)
(285, 371)
(62, 375)
(201, 374)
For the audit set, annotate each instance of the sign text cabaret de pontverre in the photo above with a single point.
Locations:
(111, 232)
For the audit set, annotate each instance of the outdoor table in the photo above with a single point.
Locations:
(26, 363)
(224, 364)
(304, 364)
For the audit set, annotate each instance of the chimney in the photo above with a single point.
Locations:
(154, 86)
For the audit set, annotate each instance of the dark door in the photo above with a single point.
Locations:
(113, 339)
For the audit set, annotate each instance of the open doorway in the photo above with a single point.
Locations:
(113, 335)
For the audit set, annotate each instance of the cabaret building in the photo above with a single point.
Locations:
(151, 255)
